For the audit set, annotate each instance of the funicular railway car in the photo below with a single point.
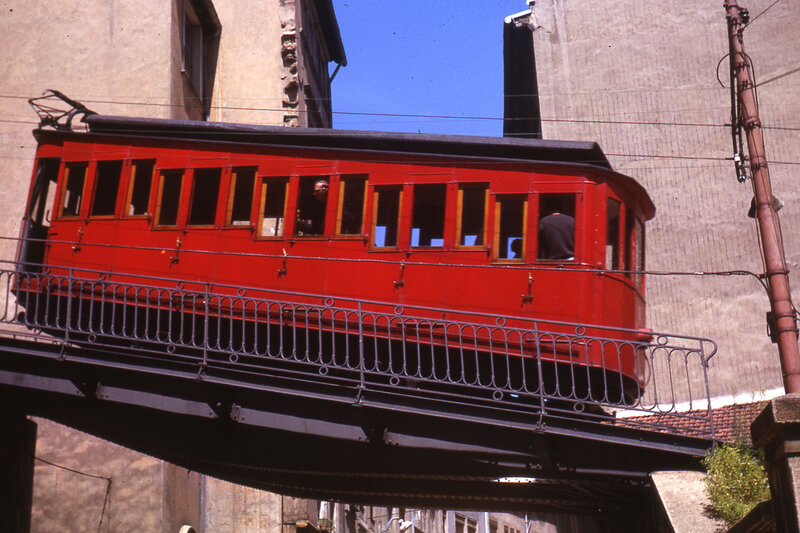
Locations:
(268, 226)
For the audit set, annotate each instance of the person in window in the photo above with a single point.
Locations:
(556, 233)
(311, 215)
(516, 249)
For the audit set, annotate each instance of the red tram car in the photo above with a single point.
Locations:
(446, 225)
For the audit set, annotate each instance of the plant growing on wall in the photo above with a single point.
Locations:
(736, 480)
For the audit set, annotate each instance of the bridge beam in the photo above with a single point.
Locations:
(17, 449)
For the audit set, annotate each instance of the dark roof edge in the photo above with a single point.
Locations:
(505, 147)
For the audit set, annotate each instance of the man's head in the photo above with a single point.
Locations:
(321, 190)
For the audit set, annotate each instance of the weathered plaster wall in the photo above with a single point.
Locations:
(611, 72)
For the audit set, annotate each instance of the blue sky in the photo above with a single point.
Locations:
(415, 57)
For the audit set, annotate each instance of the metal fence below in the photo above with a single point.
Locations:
(545, 368)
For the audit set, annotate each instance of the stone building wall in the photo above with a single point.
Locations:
(642, 80)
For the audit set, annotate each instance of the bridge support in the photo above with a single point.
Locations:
(777, 430)
(17, 448)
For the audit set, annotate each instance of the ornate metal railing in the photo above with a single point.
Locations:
(510, 363)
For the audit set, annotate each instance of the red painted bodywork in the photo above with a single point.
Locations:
(464, 279)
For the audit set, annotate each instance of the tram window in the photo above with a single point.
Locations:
(272, 207)
(350, 214)
(241, 197)
(510, 213)
(106, 187)
(471, 227)
(312, 202)
(638, 252)
(427, 218)
(556, 228)
(386, 209)
(169, 195)
(629, 236)
(205, 196)
(612, 234)
(71, 197)
(139, 188)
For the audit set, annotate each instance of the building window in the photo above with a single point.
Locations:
(199, 37)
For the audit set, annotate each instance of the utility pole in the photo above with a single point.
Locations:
(783, 324)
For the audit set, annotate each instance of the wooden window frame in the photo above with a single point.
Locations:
(95, 181)
(343, 180)
(459, 215)
(163, 173)
(263, 182)
(376, 191)
(134, 164)
(68, 166)
(498, 200)
(234, 180)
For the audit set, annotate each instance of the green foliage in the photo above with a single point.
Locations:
(736, 481)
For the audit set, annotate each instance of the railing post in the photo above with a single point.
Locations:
(68, 316)
(361, 369)
(205, 325)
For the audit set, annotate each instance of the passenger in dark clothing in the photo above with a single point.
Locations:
(311, 216)
(556, 236)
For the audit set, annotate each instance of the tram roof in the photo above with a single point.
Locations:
(422, 143)
(504, 148)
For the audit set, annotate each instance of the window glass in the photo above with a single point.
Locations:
(612, 234)
(471, 215)
(169, 196)
(241, 197)
(629, 242)
(427, 218)
(193, 47)
(350, 215)
(638, 265)
(106, 187)
(71, 197)
(556, 227)
(139, 187)
(510, 226)
(205, 196)
(386, 216)
(272, 207)
(312, 203)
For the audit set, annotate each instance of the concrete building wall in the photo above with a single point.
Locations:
(641, 79)
(125, 58)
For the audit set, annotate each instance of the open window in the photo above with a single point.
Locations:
(205, 197)
(240, 199)
(72, 190)
(427, 217)
(138, 197)
(386, 216)
(106, 187)
(471, 222)
(312, 205)
(272, 207)
(613, 207)
(510, 214)
(350, 212)
(556, 227)
(169, 197)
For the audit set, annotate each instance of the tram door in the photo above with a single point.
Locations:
(36, 223)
